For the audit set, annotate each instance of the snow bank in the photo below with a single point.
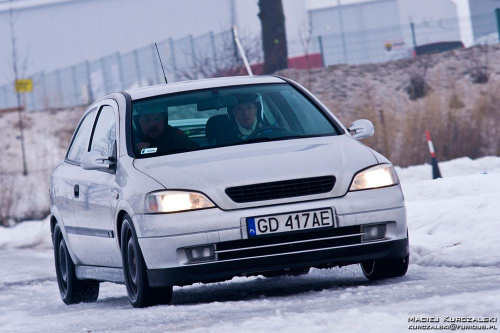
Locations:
(455, 221)
(457, 167)
(27, 234)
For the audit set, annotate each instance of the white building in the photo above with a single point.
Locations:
(483, 19)
(381, 30)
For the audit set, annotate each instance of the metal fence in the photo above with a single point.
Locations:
(212, 55)
(81, 83)
(397, 42)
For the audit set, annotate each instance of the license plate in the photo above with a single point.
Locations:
(271, 224)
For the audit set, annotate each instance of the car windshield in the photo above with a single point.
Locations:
(226, 116)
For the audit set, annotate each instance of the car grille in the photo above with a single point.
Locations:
(281, 189)
(289, 242)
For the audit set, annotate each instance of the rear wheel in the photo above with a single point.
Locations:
(387, 268)
(71, 289)
(140, 294)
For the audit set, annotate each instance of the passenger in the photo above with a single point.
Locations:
(153, 132)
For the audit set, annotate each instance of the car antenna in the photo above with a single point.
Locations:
(242, 52)
(161, 64)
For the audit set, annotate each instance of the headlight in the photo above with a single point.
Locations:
(175, 201)
(377, 176)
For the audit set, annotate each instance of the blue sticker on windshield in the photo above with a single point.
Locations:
(251, 226)
(149, 150)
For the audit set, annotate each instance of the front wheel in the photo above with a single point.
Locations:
(140, 294)
(387, 268)
(71, 289)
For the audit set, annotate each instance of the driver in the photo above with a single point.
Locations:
(244, 118)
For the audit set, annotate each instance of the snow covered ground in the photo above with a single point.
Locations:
(454, 226)
(46, 138)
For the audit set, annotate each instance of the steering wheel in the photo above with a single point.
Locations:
(272, 131)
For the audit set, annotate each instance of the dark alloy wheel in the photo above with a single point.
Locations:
(384, 269)
(140, 294)
(71, 289)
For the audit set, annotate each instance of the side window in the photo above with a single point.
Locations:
(80, 142)
(104, 133)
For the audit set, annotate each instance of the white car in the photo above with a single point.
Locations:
(205, 180)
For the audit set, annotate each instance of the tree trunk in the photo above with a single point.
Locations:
(272, 20)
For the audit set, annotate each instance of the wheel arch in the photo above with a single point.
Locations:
(119, 222)
(53, 222)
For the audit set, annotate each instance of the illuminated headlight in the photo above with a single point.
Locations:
(176, 201)
(377, 176)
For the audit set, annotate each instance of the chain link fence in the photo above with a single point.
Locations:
(399, 42)
(186, 58)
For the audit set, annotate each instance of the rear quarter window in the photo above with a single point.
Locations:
(80, 142)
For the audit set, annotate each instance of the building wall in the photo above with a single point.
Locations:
(380, 30)
(367, 27)
(483, 17)
(434, 20)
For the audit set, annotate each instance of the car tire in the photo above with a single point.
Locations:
(386, 268)
(71, 289)
(140, 294)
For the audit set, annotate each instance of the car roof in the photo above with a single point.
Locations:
(175, 87)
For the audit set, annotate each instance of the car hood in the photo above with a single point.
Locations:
(212, 171)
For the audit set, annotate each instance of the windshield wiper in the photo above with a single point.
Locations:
(268, 139)
(183, 150)
(289, 137)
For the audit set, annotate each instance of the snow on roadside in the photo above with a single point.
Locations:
(457, 167)
(454, 221)
(30, 234)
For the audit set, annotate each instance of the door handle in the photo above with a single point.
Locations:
(77, 191)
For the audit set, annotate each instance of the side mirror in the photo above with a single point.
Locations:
(93, 160)
(362, 128)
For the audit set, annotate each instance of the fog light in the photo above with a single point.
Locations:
(200, 253)
(373, 232)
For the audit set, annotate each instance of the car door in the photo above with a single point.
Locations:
(63, 183)
(94, 209)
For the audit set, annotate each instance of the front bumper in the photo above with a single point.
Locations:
(163, 238)
(220, 271)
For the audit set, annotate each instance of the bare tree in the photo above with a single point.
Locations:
(19, 66)
(272, 19)
(220, 61)
(306, 37)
